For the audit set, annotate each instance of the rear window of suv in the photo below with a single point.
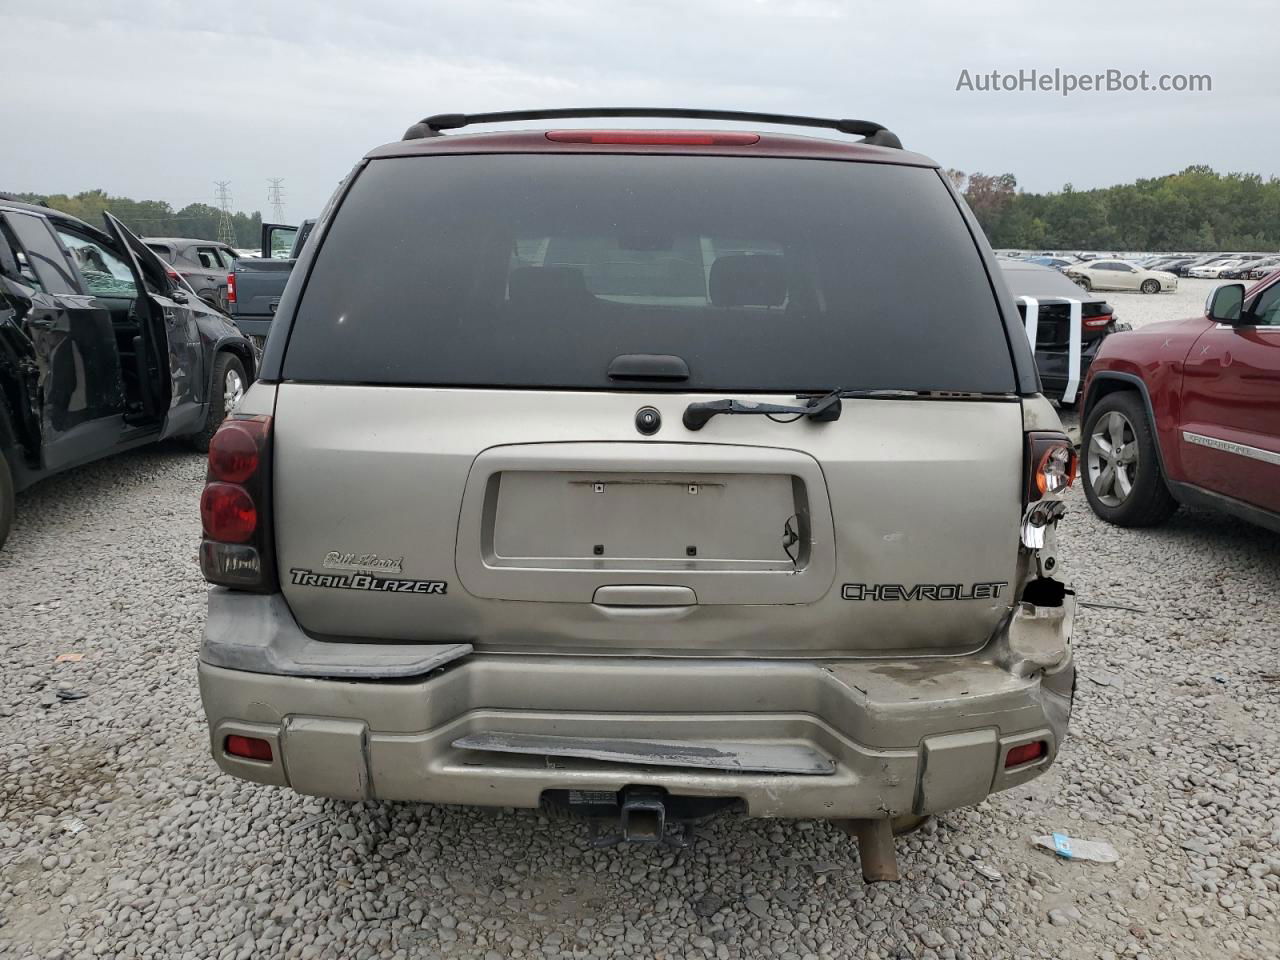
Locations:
(763, 274)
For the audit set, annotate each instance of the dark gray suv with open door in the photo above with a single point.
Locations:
(100, 349)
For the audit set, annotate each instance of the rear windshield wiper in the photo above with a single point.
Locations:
(821, 409)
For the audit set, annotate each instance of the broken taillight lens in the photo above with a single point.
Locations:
(1051, 466)
(235, 507)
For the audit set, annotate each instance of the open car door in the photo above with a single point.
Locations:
(278, 241)
(178, 375)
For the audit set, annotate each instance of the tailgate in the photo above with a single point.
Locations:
(259, 285)
(541, 520)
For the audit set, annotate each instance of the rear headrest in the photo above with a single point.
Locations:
(553, 285)
(749, 280)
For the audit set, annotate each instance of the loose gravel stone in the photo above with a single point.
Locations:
(1177, 765)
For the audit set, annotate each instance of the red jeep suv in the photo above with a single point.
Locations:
(1188, 411)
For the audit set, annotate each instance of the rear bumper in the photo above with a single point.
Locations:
(908, 736)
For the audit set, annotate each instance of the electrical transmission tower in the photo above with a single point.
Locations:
(226, 232)
(275, 194)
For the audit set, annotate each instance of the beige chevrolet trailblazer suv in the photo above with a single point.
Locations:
(642, 474)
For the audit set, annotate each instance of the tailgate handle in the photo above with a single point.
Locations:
(644, 595)
(647, 366)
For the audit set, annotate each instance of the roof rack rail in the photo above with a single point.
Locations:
(872, 133)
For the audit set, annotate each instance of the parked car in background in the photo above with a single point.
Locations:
(1214, 268)
(558, 501)
(256, 284)
(1188, 411)
(1261, 268)
(1056, 263)
(101, 349)
(1164, 262)
(204, 263)
(1184, 269)
(1171, 264)
(1244, 268)
(1120, 275)
(1026, 278)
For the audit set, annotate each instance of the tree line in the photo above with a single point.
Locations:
(153, 218)
(1197, 209)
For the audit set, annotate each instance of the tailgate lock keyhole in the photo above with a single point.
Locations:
(648, 421)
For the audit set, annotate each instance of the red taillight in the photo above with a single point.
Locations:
(1105, 314)
(233, 454)
(1026, 753)
(251, 748)
(235, 507)
(231, 288)
(1051, 465)
(676, 137)
(228, 513)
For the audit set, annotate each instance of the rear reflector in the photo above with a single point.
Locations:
(677, 137)
(251, 748)
(1026, 753)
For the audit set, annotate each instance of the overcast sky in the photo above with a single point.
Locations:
(158, 99)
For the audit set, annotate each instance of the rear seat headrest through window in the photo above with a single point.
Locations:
(749, 280)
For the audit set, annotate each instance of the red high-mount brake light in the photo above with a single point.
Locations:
(668, 137)
(1051, 466)
(231, 288)
(235, 508)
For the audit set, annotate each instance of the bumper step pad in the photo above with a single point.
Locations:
(731, 755)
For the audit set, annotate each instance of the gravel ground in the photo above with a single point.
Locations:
(119, 837)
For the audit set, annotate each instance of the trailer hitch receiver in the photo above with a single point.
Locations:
(642, 818)
(644, 815)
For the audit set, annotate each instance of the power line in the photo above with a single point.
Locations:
(275, 195)
(226, 232)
